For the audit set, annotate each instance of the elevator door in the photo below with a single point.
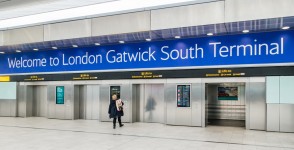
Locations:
(89, 102)
(92, 104)
(225, 104)
(154, 103)
(40, 101)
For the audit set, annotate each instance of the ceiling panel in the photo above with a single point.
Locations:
(17, 8)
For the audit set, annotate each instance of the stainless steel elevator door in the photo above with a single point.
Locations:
(154, 103)
(89, 102)
(257, 106)
(92, 103)
(82, 101)
(40, 101)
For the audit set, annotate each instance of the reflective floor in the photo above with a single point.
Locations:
(51, 134)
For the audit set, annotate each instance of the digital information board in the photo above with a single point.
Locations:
(115, 90)
(183, 95)
(59, 94)
(164, 74)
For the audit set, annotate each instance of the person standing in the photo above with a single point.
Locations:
(115, 110)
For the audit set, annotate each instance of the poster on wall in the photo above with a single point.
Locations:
(228, 93)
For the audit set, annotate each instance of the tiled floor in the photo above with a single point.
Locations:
(51, 134)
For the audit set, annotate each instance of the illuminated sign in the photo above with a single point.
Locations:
(85, 76)
(225, 73)
(59, 94)
(244, 50)
(34, 78)
(147, 75)
(4, 78)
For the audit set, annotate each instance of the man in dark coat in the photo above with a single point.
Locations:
(115, 110)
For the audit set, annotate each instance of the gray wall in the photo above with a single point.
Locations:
(189, 15)
(62, 111)
(190, 116)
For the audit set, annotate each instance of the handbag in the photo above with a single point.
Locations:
(120, 105)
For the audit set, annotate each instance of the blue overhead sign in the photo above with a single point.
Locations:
(256, 49)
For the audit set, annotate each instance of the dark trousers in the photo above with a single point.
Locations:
(119, 121)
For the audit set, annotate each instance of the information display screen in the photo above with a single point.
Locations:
(59, 94)
(115, 90)
(183, 95)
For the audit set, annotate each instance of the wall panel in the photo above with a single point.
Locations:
(240, 10)
(273, 117)
(273, 90)
(1, 38)
(286, 117)
(124, 23)
(191, 15)
(23, 35)
(67, 30)
(286, 89)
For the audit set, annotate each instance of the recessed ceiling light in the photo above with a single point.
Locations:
(209, 34)
(121, 42)
(285, 27)
(177, 37)
(35, 49)
(148, 40)
(245, 31)
(2, 52)
(54, 47)
(97, 44)
(18, 51)
(75, 46)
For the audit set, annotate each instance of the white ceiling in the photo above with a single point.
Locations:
(18, 8)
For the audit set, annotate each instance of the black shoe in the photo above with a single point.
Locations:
(121, 125)
(113, 127)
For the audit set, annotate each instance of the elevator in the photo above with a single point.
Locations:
(225, 104)
(88, 102)
(39, 102)
(32, 101)
(150, 103)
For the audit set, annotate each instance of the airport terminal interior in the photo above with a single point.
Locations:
(191, 74)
